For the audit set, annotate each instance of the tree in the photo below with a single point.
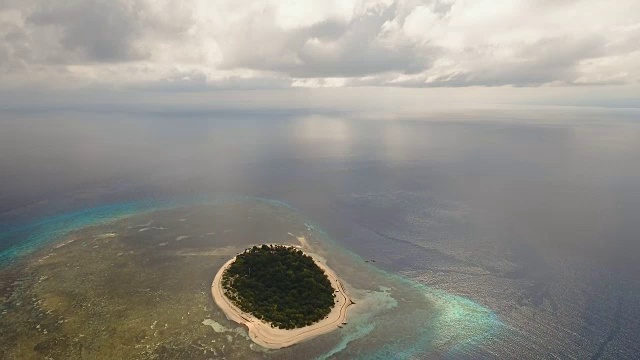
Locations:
(280, 285)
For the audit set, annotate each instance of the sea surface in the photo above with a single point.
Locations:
(519, 226)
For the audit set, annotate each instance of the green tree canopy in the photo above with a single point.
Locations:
(280, 285)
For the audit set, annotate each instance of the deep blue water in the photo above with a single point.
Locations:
(531, 218)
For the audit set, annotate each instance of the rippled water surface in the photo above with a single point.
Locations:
(139, 287)
(487, 235)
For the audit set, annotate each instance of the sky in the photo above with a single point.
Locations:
(523, 51)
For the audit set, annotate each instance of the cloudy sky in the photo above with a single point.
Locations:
(204, 45)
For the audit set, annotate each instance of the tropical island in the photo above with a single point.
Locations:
(281, 294)
(280, 285)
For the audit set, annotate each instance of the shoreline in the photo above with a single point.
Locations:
(268, 337)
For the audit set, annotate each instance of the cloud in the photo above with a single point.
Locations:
(200, 45)
(97, 30)
(542, 62)
(364, 45)
(14, 49)
(195, 81)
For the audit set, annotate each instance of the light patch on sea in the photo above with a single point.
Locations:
(219, 328)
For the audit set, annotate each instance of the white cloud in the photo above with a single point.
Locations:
(201, 44)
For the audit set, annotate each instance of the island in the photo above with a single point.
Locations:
(281, 294)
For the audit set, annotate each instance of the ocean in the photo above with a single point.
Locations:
(520, 222)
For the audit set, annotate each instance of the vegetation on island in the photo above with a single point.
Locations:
(280, 285)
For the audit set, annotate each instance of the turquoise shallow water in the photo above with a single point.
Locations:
(452, 326)
(30, 236)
